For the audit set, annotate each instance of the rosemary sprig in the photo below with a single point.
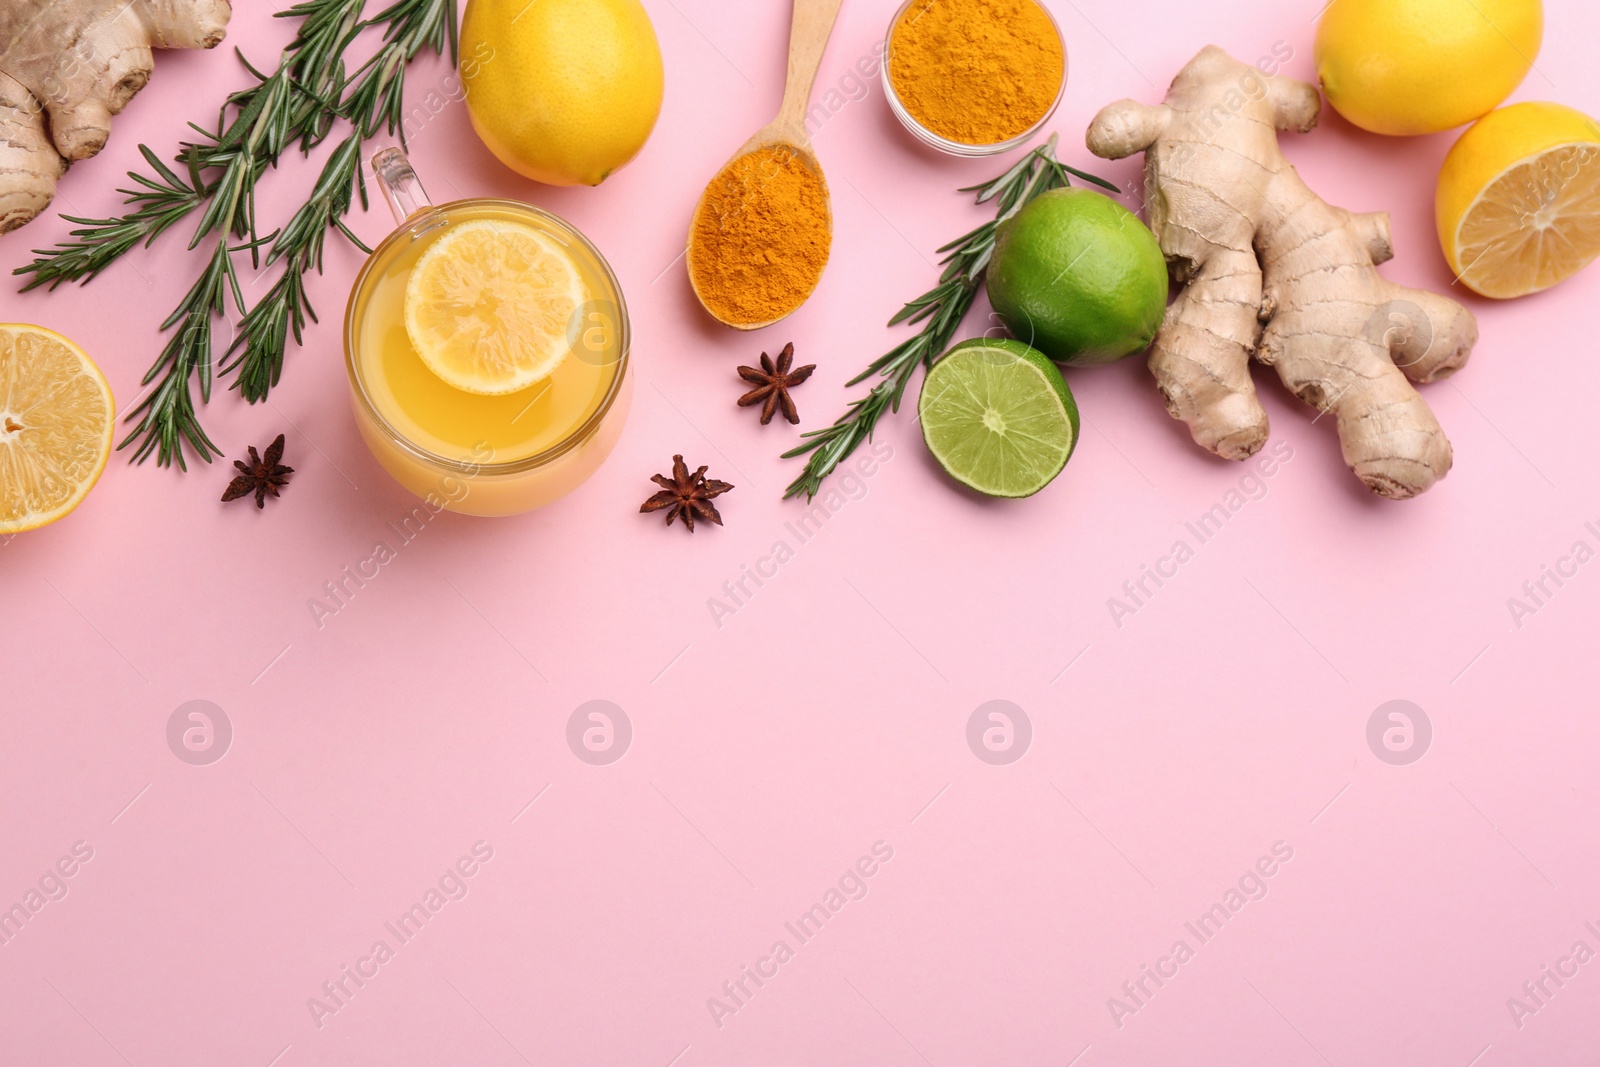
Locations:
(941, 309)
(163, 201)
(262, 128)
(298, 103)
(373, 102)
(263, 336)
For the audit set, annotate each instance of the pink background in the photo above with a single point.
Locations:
(829, 713)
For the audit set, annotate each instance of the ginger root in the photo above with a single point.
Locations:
(1273, 271)
(66, 67)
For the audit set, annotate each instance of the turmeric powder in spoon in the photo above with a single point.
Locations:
(760, 236)
(762, 229)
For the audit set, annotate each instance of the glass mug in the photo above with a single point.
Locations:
(469, 452)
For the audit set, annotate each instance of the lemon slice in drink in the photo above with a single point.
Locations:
(1519, 199)
(998, 417)
(489, 305)
(56, 413)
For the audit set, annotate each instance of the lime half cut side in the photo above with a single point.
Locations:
(998, 417)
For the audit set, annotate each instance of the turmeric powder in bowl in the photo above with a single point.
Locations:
(760, 237)
(974, 77)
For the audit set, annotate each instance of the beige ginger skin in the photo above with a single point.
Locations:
(1273, 272)
(66, 67)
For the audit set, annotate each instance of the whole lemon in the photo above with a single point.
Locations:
(562, 91)
(1407, 67)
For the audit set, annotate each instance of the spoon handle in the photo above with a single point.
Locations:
(808, 38)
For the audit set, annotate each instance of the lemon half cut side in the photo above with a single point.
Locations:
(1519, 200)
(56, 420)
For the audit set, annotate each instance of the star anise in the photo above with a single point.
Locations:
(262, 475)
(773, 382)
(686, 496)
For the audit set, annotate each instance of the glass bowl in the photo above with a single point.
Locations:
(959, 148)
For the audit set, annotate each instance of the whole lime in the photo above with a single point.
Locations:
(1079, 277)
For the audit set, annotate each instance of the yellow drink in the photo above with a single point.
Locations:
(471, 452)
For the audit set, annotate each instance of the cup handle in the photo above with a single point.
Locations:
(400, 184)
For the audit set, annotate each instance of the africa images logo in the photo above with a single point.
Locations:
(1399, 733)
(599, 732)
(999, 732)
(199, 732)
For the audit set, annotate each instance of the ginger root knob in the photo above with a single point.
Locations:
(1277, 274)
(68, 66)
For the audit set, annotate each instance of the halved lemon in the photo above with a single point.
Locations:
(56, 415)
(1519, 199)
(489, 306)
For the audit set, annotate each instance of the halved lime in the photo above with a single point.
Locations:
(998, 417)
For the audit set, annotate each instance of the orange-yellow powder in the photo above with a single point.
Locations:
(976, 72)
(761, 237)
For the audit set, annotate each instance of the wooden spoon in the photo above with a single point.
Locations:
(808, 37)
